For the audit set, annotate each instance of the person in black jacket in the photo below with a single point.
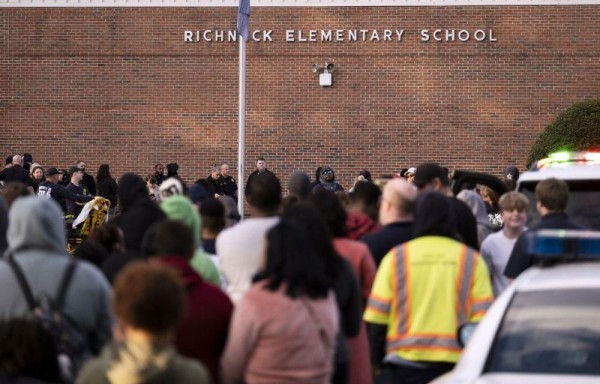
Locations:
(552, 196)
(138, 212)
(172, 171)
(396, 217)
(214, 187)
(107, 186)
(159, 174)
(16, 172)
(261, 167)
(227, 183)
(88, 180)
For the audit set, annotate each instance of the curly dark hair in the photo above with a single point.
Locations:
(150, 297)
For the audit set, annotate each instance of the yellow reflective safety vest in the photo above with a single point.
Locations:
(424, 289)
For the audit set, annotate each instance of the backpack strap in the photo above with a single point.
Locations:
(64, 285)
(22, 282)
(62, 290)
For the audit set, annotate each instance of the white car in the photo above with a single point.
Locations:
(545, 328)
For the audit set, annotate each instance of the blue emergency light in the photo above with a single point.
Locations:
(552, 245)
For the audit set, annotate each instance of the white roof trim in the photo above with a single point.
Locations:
(287, 3)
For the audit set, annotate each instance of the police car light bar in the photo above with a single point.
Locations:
(553, 245)
(564, 158)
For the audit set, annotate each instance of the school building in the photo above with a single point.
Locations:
(467, 83)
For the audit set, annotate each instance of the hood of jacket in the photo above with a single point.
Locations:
(359, 225)
(180, 208)
(35, 224)
(477, 206)
(329, 185)
(172, 169)
(132, 189)
(434, 216)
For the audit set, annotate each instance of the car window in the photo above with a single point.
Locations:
(552, 331)
(583, 207)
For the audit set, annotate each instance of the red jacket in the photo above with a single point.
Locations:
(203, 332)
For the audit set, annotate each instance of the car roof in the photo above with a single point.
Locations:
(574, 275)
(566, 172)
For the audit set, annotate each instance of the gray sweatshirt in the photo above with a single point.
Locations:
(37, 242)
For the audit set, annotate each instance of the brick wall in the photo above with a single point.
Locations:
(119, 86)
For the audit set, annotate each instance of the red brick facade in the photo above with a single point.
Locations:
(119, 85)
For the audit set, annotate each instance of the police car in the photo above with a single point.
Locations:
(581, 170)
(545, 328)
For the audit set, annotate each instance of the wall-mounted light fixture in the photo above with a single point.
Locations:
(325, 72)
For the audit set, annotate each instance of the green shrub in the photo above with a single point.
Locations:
(576, 129)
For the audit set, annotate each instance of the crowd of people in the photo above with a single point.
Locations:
(317, 286)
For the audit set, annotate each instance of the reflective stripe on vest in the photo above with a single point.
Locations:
(465, 282)
(481, 306)
(378, 305)
(424, 342)
(400, 286)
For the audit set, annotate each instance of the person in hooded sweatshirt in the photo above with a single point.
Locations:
(172, 171)
(149, 302)
(180, 208)
(327, 181)
(37, 243)
(138, 212)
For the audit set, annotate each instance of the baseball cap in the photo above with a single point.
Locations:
(51, 171)
(511, 173)
(411, 170)
(426, 172)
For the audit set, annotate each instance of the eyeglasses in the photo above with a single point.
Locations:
(327, 173)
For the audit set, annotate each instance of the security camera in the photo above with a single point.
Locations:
(316, 68)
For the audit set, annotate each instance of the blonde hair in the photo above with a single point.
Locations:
(513, 200)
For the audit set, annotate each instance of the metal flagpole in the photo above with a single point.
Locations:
(241, 126)
(242, 29)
